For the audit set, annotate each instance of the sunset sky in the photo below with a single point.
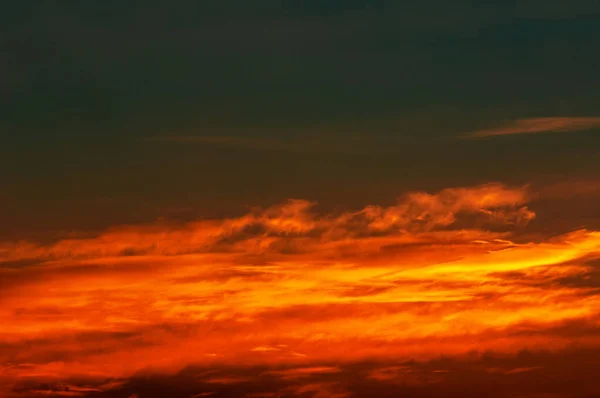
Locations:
(300, 198)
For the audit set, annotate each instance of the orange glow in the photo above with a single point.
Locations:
(541, 125)
(434, 274)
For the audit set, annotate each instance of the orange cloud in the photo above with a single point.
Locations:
(289, 288)
(265, 230)
(540, 125)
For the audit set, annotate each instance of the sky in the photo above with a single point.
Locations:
(300, 198)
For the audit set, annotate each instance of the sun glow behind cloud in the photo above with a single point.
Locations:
(433, 274)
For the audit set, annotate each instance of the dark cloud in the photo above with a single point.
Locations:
(529, 374)
(586, 280)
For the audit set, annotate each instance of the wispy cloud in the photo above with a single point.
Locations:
(325, 142)
(251, 142)
(539, 125)
(303, 144)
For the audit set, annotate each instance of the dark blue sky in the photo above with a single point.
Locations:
(344, 102)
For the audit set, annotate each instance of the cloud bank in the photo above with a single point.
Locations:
(285, 300)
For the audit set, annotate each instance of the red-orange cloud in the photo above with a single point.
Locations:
(286, 286)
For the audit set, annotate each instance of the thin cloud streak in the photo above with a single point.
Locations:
(260, 143)
(308, 143)
(304, 144)
(539, 125)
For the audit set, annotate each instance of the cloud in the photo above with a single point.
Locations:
(572, 188)
(540, 125)
(294, 227)
(298, 142)
(296, 297)
(295, 144)
(260, 143)
(526, 374)
(294, 373)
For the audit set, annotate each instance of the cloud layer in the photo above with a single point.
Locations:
(286, 299)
